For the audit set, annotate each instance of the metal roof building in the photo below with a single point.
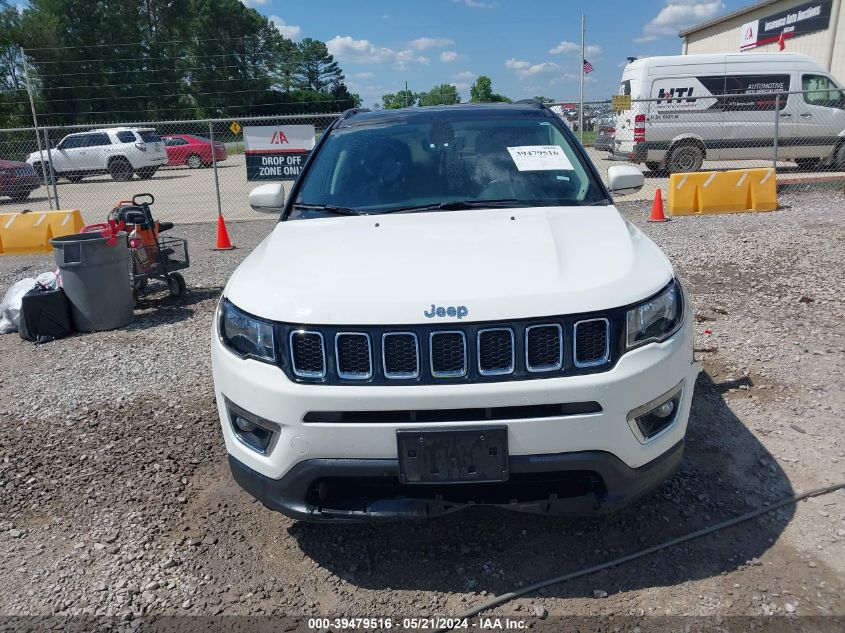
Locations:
(808, 27)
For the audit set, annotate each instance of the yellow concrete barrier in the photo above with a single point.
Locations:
(30, 232)
(734, 191)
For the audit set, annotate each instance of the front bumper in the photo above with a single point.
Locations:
(616, 485)
(596, 459)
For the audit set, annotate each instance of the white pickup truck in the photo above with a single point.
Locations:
(451, 312)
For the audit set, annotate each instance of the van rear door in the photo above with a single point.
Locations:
(623, 140)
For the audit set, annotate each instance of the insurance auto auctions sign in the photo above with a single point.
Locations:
(805, 18)
(276, 152)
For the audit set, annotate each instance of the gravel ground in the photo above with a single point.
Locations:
(117, 501)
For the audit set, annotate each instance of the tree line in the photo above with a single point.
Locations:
(136, 60)
(481, 91)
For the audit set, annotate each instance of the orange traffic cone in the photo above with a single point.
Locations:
(223, 243)
(657, 214)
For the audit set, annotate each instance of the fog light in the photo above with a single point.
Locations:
(654, 417)
(665, 409)
(255, 432)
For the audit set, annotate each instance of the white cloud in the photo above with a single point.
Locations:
(447, 57)
(365, 52)
(290, 31)
(422, 43)
(525, 69)
(645, 38)
(366, 76)
(461, 85)
(571, 48)
(679, 14)
(477, 4)
(464, 75)
(515, 64)
(255, 3)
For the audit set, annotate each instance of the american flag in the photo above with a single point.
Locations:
(588, 67)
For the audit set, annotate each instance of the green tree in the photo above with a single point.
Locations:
(543, 99)
(318, 69)
(401, 99)
(444, 94)
(481, 91)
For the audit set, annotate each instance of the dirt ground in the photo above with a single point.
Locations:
(116, 500)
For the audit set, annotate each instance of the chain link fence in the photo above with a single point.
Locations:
(198, 180)
(800, 134)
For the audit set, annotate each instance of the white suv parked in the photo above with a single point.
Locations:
(120, 152)
(464, 319)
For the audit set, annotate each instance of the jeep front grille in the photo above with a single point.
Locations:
(495, 351)
(400, 355)
(522, 349)
(448, 354)
(353, 355)
(592, 342)
(544, 347)
(308, 354)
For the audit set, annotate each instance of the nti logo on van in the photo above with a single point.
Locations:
(674, 94)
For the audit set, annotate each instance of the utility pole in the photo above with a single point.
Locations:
(581, 91)
(406, 94)
(35, 126)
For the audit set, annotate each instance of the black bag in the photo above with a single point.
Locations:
(45, 315)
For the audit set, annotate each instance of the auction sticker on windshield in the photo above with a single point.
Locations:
(539, 158)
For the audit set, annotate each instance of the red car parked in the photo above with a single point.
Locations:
(191, 150)
(17, 180)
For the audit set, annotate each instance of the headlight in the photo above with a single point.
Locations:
(656, 319)
(245, 335)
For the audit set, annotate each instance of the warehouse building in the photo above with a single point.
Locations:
(815, 28)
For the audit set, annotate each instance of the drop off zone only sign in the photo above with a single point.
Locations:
(276, 152)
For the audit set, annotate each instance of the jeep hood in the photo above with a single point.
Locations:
(499, 263)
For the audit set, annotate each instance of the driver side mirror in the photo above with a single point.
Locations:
(624, 179)
(268, 198)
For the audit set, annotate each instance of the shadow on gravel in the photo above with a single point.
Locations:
(29, 200)
(726, 472)
(157, 309)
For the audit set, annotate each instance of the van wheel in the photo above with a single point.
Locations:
(653, 166)
(807, 164)
(685, 158)
(46, 172)
(839, 160)
(120, 169)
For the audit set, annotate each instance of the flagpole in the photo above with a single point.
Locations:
(581, 92)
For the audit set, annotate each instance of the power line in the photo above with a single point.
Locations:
(147, 43)
(159, 96)
(183, 81)
(139, 58)
(194, 108)
(139, 70)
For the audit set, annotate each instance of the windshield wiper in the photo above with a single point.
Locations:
(459, 205)
(328, 208)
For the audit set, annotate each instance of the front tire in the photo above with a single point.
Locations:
(121, 170)
(839, 158)
(46, 172)
(684, 158)
(146, 173)
(194, 161)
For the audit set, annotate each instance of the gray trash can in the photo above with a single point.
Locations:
(95, 277)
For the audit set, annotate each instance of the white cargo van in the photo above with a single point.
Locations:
(722, 107)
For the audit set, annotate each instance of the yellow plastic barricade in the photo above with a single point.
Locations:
(734, 191)
(30, 232)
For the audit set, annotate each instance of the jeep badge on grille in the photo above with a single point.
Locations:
(451, 311)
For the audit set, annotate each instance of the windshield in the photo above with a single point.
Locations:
(439, 160)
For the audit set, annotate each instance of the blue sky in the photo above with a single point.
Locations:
(527, 47)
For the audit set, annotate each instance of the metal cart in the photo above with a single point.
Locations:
(153, 256)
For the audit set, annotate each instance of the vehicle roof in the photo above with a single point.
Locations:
(445, 112)
(714, 58)
(115, 129)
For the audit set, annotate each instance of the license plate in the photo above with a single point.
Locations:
(453, 456)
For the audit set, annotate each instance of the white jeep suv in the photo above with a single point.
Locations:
(451, 312)
(120, 152)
